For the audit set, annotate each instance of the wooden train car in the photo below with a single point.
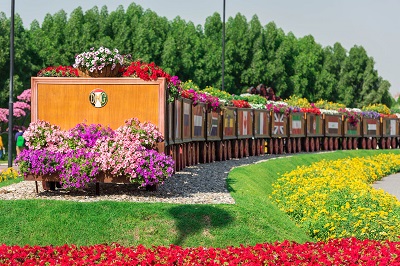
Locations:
(197, 134)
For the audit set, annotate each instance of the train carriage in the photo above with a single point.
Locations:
(333, 124)
(229, 131)
(371, 132)
(262, 131)
(314, 132)
(245, 117)
(279, 132)
(390, 133)
(351, 133)
(297, 131)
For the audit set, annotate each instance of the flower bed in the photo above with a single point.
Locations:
(334, 199)
(78, 156)
(348, 251)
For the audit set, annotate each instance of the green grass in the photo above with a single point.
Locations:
(253, 219)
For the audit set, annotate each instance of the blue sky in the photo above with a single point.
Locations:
(375, 25)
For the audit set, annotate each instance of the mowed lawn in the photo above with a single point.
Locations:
(253, 219)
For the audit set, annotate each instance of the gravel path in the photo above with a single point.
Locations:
(199, 184)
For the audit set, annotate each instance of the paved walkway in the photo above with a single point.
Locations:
(390, 184)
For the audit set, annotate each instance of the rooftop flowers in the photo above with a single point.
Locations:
(81, 153)
(95, 61)
(58, 71)
(197, 97)
(150, 71)
(353, 116)
(278, 107)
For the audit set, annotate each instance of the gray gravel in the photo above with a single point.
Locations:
(199, 184)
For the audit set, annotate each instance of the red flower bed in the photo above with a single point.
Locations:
(145, 71)
(349, 251)
(58, 71)
(240, 103)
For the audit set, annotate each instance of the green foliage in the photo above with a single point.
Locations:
(254, 218)
(254, 53)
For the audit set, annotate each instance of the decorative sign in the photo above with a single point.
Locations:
(98, 98)
(279, 124)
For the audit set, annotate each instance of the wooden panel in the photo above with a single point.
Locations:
(229, 123)
(371, 127)
(279, 125)
(297, 125)
(170, 123)
(245, 123)
(214, 119)
(333, 125)
(178, 121)
(314, 125)
(65, 101)
(187, 120)
(199, 122)
(352, 130)
(261, 123)
(390, 127)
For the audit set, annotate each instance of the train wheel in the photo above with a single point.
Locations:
(350, 143)
(271, 146)
(220, 151)
(229, 150)
(262, 146)
(235, 149)
(363, 143)
(225, 153)
(331, 144)
(306, 144)
(336, 144)
(382, 143)
(355, 143)
(258, 146)
(394, 143)
(294, 145)
(246, 148)
(276, 146)
(281, 148)
(213, 151)
(241, 148)
(253, 147)
(388, 143)
(312, 145)
(179, 157)
(194, 153)
(299, 147)
(374, 143)
(344, 144)
(289, 146)
(188, 154)
(317, 144)
(369, 143)
(326, 143)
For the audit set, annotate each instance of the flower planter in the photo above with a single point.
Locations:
(50, 181)
(105, 72)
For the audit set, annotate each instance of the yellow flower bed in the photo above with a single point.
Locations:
(334, 199)
(8, 174)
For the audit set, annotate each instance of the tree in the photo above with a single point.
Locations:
(307, 66)
(211, 44)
